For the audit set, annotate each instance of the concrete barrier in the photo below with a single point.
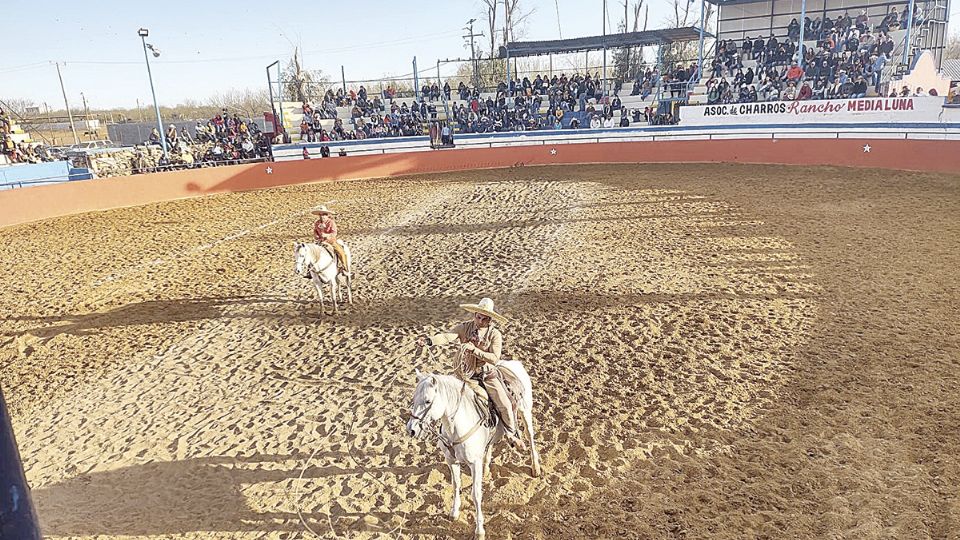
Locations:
(42, 202)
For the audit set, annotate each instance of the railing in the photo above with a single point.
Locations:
(73, 177)
(22, 120)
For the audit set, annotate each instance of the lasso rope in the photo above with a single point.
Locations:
(356, 463)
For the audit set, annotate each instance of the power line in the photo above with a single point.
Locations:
(24, 67)
(398, 41)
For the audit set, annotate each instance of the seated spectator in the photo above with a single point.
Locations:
(891, 21)
(795, 73)
(793, 30)
(859, 88)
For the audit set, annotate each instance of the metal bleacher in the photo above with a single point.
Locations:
(293, 110)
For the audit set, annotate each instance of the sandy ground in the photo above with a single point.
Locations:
(717, 352)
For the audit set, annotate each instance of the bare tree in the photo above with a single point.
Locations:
(952, 51)
(248, 103)
(18, 106)
(515, 18)
(628, 60)
(490, 17)
(300, 84)
(684, 14)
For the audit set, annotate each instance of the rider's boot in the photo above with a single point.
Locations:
(514, 439)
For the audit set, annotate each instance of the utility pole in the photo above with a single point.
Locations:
(277, 124)
(604, 47)
(473, 53)
(86, 113)
(139, 110)
(506, 40)
(626, 25)
(73, 128)
(416, 81)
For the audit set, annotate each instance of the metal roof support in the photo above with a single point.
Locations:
(803, 26)
(703, 13)
(906, 38)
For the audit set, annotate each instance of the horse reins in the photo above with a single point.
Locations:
(437, 433)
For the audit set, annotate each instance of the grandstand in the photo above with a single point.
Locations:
(11, 136)
(739, 20)
(904, 37)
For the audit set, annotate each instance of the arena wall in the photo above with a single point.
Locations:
(36, 203)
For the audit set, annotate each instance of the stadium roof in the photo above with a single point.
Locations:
(596, 43)
(734, 2)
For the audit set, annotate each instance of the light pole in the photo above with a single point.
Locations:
(143, 33)
(278, 123)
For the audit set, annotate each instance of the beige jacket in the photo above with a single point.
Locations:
(489, 340)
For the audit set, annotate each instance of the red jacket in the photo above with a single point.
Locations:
(330, 229)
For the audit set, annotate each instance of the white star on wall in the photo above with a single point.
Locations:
(553, 151)
(866, 149)
(269, 170)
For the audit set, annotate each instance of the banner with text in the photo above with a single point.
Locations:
(853, 111)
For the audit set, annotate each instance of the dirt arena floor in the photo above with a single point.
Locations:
(718, 351)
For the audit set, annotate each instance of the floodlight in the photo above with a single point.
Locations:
(143, 32)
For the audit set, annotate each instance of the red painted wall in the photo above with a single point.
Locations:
(42, 202)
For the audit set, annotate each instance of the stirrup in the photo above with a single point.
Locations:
(514, 440)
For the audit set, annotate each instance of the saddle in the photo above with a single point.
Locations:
(341, 264)
(489, 415)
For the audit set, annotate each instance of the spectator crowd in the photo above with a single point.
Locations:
(221, 140)
(20, 152)
(517, 105)
(848, 59)
(521, 104)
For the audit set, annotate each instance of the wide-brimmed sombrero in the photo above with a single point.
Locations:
(321, 209)
(484, 307)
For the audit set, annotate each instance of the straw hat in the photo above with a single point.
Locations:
(484, 307)
(321, 210)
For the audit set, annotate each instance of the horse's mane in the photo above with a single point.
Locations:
(313, 250)
(444, 383)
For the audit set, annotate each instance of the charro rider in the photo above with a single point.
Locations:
(481, 346)
(325, 231)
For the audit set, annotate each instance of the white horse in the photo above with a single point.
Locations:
(316, 262)
(461, 435)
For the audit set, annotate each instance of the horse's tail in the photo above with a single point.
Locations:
(516, 369)
(346, 251)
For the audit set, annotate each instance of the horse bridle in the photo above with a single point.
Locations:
(308, 266)
(436, 433)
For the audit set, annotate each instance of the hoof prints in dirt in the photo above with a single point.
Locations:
(652, 322)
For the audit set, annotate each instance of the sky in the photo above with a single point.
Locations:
(213, 46)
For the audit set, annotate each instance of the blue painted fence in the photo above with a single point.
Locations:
(34, 174)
